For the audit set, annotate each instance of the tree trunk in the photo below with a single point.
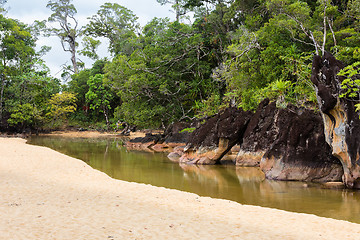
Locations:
(3, 79)
(177, 10)
(2, 96)
(324, 35)
(106, 118)
(73, 58)
(332, 32)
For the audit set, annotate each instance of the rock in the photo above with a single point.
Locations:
(248, 159)
(149, 137)
(174, 156)
(299, 151)
(288, 144)
(176, 153)
(206, 155)
(206, 161)
(143, 143)
(161, 147)
(209, 143)
(341, 121)
(174, 135)
(259, 135)
(261, 131)
(166, 142)
(126, 128)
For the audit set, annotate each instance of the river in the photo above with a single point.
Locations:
(243, 185)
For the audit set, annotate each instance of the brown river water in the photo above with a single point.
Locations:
(243, 185)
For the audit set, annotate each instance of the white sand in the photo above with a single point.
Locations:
(48, 195)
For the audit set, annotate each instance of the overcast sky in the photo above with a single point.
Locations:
(29, 10)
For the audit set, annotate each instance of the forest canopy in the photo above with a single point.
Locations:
(214, 54)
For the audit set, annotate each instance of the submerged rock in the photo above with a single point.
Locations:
(341, 121)
(176, 154)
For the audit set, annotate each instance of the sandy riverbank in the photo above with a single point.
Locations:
(48, 195)
(91, 134)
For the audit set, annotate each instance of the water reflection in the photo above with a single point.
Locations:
(241, 184)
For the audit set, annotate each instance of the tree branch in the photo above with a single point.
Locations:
(332, 31)
(324, 23)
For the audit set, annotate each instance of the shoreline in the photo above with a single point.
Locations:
(48, 195)
(75, 134)
(91, 134)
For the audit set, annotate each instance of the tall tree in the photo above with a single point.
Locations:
(16, 48)
(68, 30)
(215, 27)
(159, 82)
(177, 5)
(116, 23)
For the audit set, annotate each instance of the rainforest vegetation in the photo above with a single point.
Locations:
(214, 54)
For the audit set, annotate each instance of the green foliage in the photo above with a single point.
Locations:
(90, 47)
(354, 9)
(208, 107)
(254, 73)
(357, 107)
(78, 85)
(189, 130)
(278, 88)
(99, 95)
(273, 60)
(236, 53)
(60, 105)
(215, 27)
(177, 5)
(159, 82)
(25, 115)
(24, 81)
(141, 114)
(116, 23)
(351, 83)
